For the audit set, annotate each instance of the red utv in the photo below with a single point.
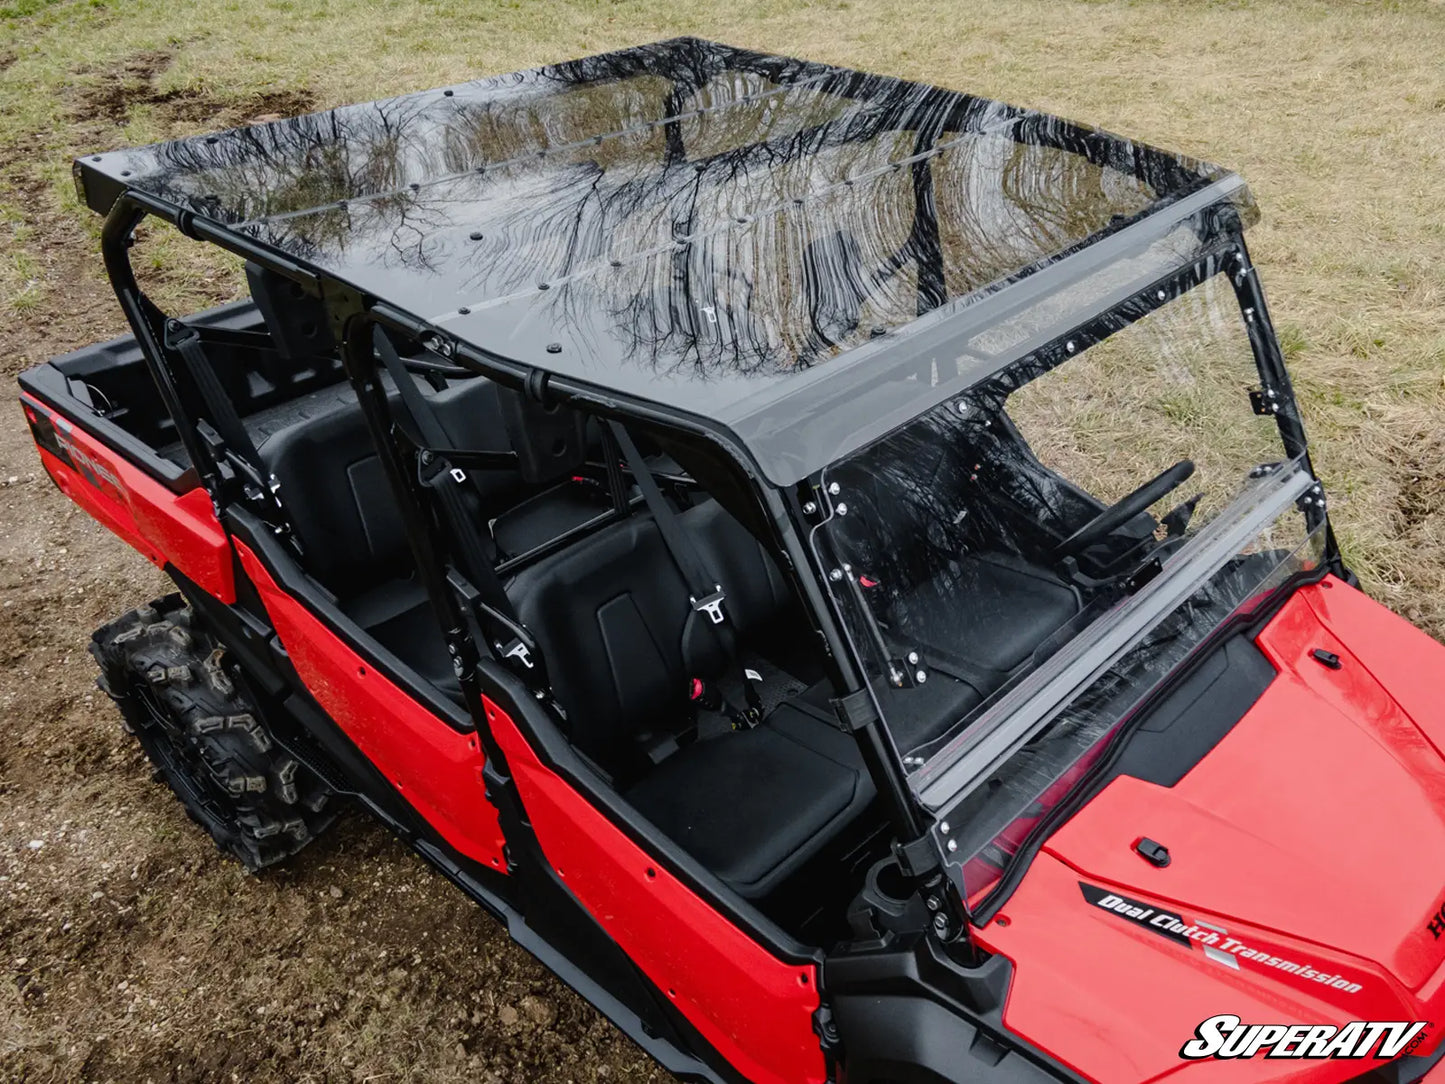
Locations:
(832, 563)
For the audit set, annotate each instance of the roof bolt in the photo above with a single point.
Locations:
(878, 331)
(933, 903)
(835, 575)
(920, 676)
(1070, 346)
(448, 93)
(809, 507)
(544, 285)
(616, 263)
(913, 658)
(554, 348)
(952, 846)
(475, 235)
(464, 311)
(940, 923)
(1161, 295)
(841, 509)
(943, 827)
(834, 488)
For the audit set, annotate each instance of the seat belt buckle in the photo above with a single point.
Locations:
(520, 650)
(712, 605)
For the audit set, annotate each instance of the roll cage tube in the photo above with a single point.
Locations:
(146, 323)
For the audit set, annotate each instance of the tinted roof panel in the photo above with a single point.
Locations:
(685, 222)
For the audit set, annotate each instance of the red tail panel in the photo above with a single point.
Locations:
(166, 528)
(437, 769)
(756, 1009)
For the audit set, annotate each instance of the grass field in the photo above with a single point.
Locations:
(128, 949)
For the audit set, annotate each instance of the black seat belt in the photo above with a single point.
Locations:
(225, 436)
(705, 592)
(186, 341)
(514, 644)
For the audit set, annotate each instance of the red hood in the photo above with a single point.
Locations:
(1308, 862)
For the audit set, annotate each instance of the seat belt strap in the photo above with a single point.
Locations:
(705, 593)
(446, 483)
(186, 341)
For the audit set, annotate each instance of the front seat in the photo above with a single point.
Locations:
(610, 615)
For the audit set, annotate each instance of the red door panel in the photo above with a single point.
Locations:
(756, 1009)
(436, 768)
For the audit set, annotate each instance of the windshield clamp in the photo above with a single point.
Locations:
(1265, 402)
(917, 857)
(855, 711)
(712, 605)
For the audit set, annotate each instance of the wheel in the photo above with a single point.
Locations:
(168, 676)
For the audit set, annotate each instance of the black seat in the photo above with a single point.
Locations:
(335, 491)
(621, 640)
(936, 580)
(755, 805)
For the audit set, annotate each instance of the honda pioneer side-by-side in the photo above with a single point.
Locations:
(833, 564)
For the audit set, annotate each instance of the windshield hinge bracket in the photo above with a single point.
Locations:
(1314, 497)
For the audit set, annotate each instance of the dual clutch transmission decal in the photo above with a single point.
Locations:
(1214, 941)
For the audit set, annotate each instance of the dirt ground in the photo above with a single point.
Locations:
(129, 950)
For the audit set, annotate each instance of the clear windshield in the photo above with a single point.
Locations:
(987, 543)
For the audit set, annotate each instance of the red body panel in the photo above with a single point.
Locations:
(436, 768)
(756, 1009)
(1311, 833)
(166, 528)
